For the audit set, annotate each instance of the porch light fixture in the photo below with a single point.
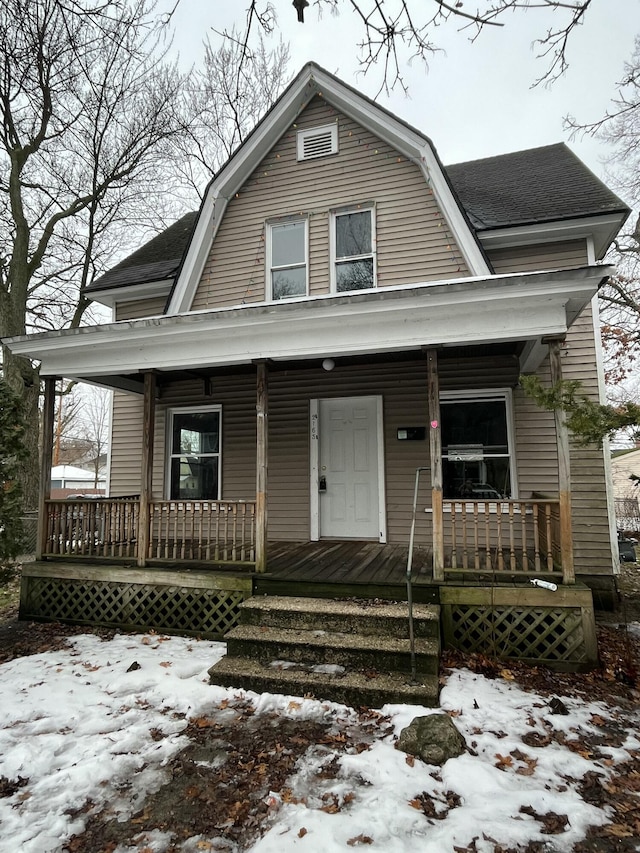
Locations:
(328, 364)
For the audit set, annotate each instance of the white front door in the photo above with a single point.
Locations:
(349, 471)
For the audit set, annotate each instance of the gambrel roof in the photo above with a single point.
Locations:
(541, 185)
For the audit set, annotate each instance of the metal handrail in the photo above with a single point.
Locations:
(412, 639)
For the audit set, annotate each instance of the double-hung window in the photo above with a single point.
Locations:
(194, 453)
(287, 259)
(477, 445)
(353, 249)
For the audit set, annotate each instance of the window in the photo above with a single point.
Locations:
(287, 259)
(353, 233)
(476, 445)
(194, 457)
(317, 142)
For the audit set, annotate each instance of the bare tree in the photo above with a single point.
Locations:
(226, 97)
(88, 105)
(393, 32)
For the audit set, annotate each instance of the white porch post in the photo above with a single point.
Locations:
(146, 468)
(44, 492)
(564, 470)
(435, 452)
(262, 456)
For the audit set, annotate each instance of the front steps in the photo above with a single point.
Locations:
(351, 651)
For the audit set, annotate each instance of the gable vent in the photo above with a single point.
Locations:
(317, 142)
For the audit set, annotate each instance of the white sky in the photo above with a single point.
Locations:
(475, 100)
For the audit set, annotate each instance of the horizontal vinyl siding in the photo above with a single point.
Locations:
(543, 256)
(413, 240)
(537, 454)
(126, 444)
(140, 308)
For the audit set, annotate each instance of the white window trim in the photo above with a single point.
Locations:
(182, 410)
(269, 226)
(301, 135)
(342, 211)
(474, 396)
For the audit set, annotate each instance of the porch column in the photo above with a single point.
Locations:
(44, 493)
(435, 452)
(564, 470)
(146, 469)
(262, 447)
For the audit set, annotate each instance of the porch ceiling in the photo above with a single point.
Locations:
(470, 311)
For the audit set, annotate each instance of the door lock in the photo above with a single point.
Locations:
(322, 484)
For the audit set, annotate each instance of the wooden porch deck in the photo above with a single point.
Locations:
(346, 562)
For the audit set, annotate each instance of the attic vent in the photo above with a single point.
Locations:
(317, 142)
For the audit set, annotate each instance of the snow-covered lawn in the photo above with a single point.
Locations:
(78, 728)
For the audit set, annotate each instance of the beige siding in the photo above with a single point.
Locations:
(138, 308)
(413, 240)
(402, 386)
(126, 444)
(537, 454)
(543, 256)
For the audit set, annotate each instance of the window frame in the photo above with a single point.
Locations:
(170, 455)
(479, 395)
(270, 226)
(364, 207)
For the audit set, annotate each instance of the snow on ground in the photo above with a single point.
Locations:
(80, 727)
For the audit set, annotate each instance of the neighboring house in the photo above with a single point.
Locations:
(70, 480)
(625, 466)
(342, 311)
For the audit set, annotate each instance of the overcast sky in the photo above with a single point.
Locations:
(474, 100)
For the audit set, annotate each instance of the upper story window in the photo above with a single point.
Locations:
(353, 249)
(317, 142)
(287, 250)
(194, 453)
(477, 445)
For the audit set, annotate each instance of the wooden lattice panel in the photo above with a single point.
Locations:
(186, 610)
(538, 633)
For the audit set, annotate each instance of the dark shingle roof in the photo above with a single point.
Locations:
(537, 185)
(156, 260)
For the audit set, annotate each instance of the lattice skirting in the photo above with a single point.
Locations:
(560, 634)
(133, 606)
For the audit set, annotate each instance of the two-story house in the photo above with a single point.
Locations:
(325, 359)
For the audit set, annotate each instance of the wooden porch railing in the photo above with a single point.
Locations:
(514, 536)
(209, 531)
(197, 531)
(102, 527)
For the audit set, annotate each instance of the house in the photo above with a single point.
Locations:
(339, 328)
(625, 470)
(67, 480)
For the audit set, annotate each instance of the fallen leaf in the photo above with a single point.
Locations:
(302, 832)
(503, 761)
(359, 839)
(507, 675)
(165, 663)
(410, 760)
(294, 706)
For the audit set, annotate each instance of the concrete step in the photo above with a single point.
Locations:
(354, 651)
(358, 616)
(351, 687)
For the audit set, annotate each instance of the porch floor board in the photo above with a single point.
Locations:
(346, 563)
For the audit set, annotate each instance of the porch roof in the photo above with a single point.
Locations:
(516, 307)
